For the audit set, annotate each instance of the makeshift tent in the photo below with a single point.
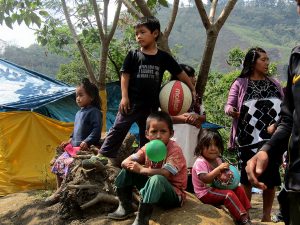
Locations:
(25, 90)
(36, 114)
(27, 138)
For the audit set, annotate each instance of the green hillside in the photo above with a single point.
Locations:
(273, 28)
(270, 24)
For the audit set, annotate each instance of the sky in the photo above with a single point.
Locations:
(22, 36)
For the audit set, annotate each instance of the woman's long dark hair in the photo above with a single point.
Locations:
(93, 91)
(249, 62)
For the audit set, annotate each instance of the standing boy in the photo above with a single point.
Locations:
(141, 77)
(287, 131)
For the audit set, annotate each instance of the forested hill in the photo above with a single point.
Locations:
(274, 27)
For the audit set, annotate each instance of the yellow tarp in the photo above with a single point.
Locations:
(27, 144)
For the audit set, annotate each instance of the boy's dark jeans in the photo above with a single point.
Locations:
(154, 189)
(119, 130)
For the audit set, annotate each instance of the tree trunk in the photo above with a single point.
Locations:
(103, 63)
(211, 39)
(213, 28)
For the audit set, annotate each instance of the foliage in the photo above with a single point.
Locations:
(215, 98)
(118, 49)
(73, 72)
(235, 57)
(30, 12)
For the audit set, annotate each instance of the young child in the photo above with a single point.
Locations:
(161, 183)
(141, 77)
(87, 131)
(209, 166)
(187, 125)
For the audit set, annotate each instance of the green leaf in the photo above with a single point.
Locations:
(35, 19)
(27, 20)
(8, 22)
(28, 3)
(164, 3)
(19, 20)
(1, 18)
(85, 33)
(14, 17)
(43, 13)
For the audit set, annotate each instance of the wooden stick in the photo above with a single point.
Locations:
(101, 197)
(82, 186)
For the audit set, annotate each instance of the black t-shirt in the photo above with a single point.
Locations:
(146, 73)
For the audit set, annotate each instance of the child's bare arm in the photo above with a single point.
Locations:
(124, 104)
(209, 177)
(135, 166)
(185, 79)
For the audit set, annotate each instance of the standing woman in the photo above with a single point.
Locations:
(254, 104)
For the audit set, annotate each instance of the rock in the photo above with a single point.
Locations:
(193, 212)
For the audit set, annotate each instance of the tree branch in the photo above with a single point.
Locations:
(98, 20)
(144, 7)
(131, 9)
(101, 197)
(202, 13)
(171, 22)
(115, 21)
(82, 51)
(105, 17)
(225, 13)
(212, 12)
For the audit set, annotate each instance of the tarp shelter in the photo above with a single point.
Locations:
(35, 116)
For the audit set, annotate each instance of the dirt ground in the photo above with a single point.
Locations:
(28, 208)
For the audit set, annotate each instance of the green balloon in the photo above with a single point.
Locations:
(156, 150)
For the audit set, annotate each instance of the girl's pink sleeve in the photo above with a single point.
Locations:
(200, 166)
(232, 100)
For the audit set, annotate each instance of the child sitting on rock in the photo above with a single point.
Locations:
(209, 166)
(87, 131)
(161, 183)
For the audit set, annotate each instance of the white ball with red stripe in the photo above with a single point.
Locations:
(175, 98)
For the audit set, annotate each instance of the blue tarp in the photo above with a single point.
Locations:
(22, 89)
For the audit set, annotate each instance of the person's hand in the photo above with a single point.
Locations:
(271, 128)
(83, 146)
(64, 143)
(223, 166)
(193, 119)
(255, 167)
(134, 167)
(124, 106)
(234, 113)
(190, 118)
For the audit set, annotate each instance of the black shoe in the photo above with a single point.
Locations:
(144, 214)
(125, 209)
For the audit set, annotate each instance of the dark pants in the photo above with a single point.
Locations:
(154, 189)
(119, 130)
(283, 205)
(294, 208)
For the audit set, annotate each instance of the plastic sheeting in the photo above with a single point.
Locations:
(27, 144)
(23, 89)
